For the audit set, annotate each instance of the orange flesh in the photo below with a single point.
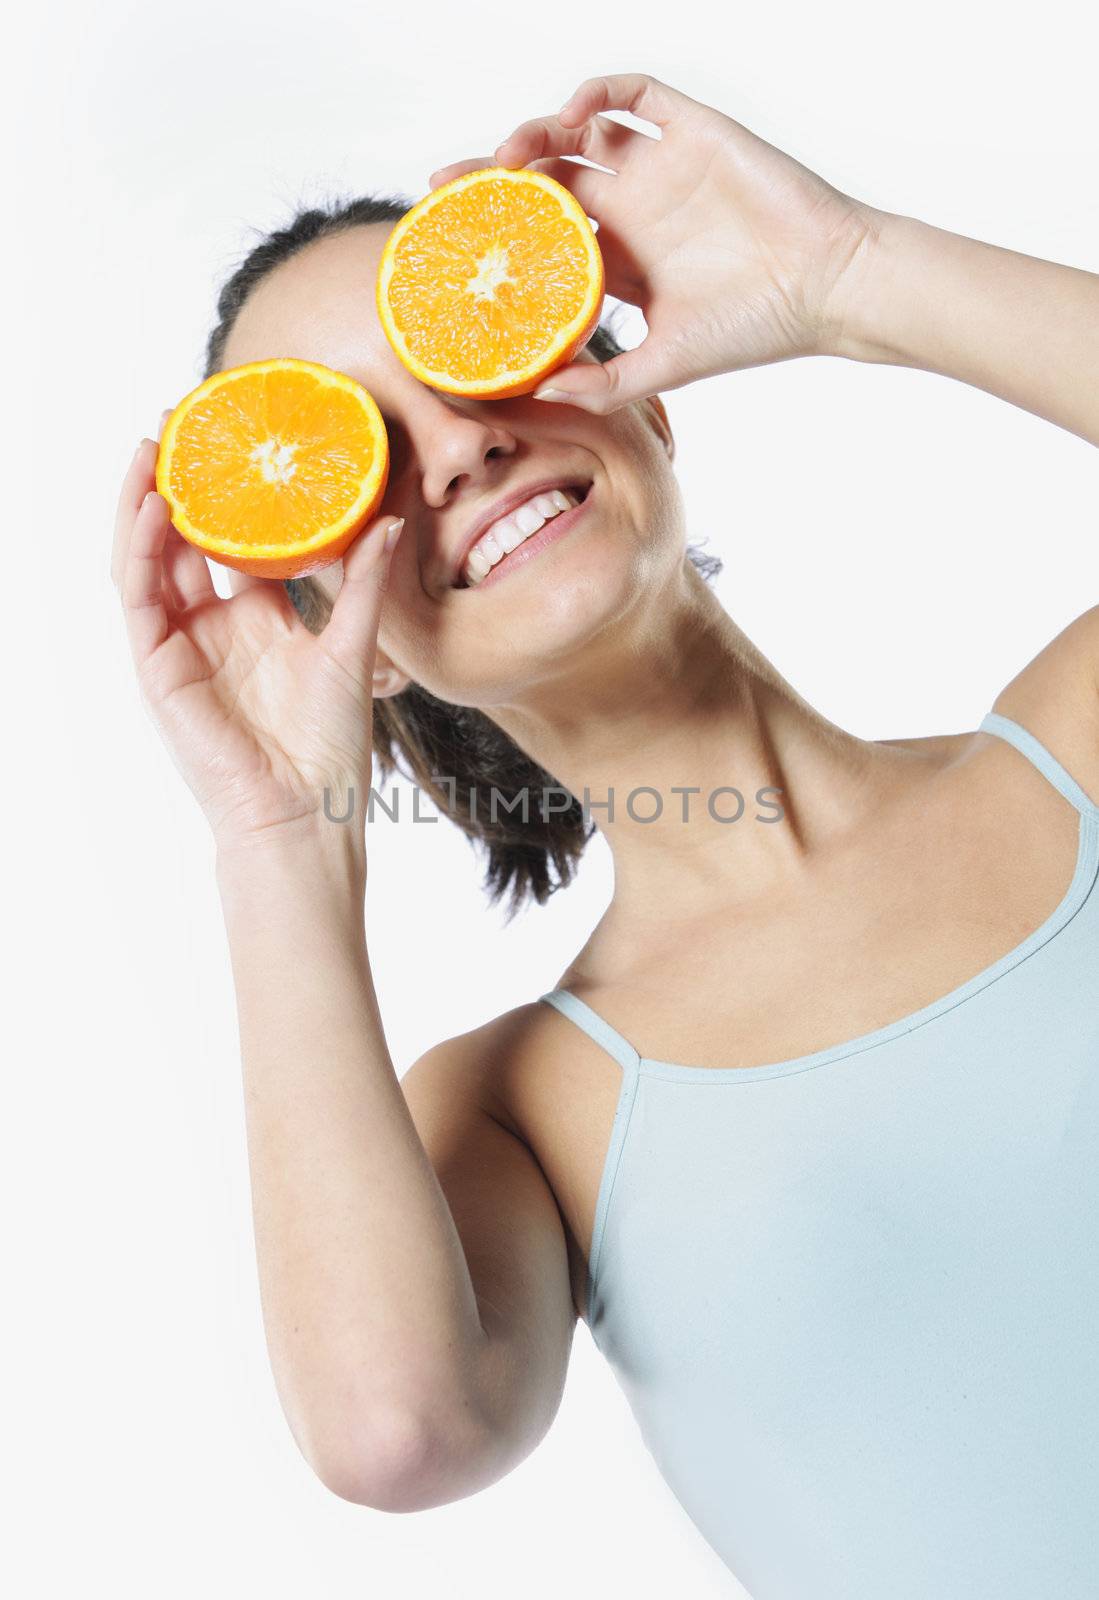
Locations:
(486, 280)
(271, 458)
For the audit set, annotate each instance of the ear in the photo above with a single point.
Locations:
(657, 418)
(388, 679)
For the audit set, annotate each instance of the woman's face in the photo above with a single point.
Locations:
(453, 461)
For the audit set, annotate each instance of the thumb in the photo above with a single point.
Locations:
(351, 634)
(605, 386)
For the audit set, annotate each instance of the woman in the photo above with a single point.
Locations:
(844, 1262)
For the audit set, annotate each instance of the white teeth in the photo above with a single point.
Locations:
(528, 519)
(510, 532)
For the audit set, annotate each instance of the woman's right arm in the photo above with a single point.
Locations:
(406, 1384)
(394, 1389)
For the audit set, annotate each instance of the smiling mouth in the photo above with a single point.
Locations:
(577, 494)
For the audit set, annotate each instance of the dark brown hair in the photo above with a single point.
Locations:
(415, 733)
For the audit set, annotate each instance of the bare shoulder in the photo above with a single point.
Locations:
(529, 1097)
(1055, 696)
(478, 1069)
(504, 1209)
(519, 1248)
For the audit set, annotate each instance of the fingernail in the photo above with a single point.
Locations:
(552, 394)
(393, 534)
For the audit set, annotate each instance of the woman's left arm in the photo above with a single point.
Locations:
(738, 255)
(1021, 328)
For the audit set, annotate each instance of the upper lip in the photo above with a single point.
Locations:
(500, 508)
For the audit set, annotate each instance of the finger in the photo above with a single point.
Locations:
(596, 139)
(585, 183)
(624, 91)
(142, 587)
(268, 595)
(187, 573)
(588, 184)
(187, 580)
(240, 581)
(136, 484)
(351, 634)
(602, 387)
(458, 169)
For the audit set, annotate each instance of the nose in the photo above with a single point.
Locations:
(460, 444)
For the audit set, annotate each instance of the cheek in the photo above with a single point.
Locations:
(407, 626)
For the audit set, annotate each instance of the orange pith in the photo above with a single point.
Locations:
(490, 283)
(274, 467)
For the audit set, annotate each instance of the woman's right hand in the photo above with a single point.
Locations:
(259, 714)
(736, 254)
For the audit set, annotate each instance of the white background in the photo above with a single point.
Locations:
(899, 545)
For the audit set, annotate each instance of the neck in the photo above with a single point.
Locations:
(654, 736)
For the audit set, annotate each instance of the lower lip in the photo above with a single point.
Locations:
(553, 530)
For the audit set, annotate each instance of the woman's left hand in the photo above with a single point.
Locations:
(736, 254)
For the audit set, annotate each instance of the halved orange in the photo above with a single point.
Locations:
(490, 283)
(274, 467)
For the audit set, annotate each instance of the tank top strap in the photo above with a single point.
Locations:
(1037, 754)
(571, 1006)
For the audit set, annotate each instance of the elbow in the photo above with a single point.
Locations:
(406, 1464)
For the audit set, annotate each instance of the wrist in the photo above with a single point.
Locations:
(328, 857)
(871, 298)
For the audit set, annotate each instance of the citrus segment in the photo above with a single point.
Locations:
(490, 283)
(273, 468)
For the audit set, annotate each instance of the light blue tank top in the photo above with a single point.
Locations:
(853, 1298)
